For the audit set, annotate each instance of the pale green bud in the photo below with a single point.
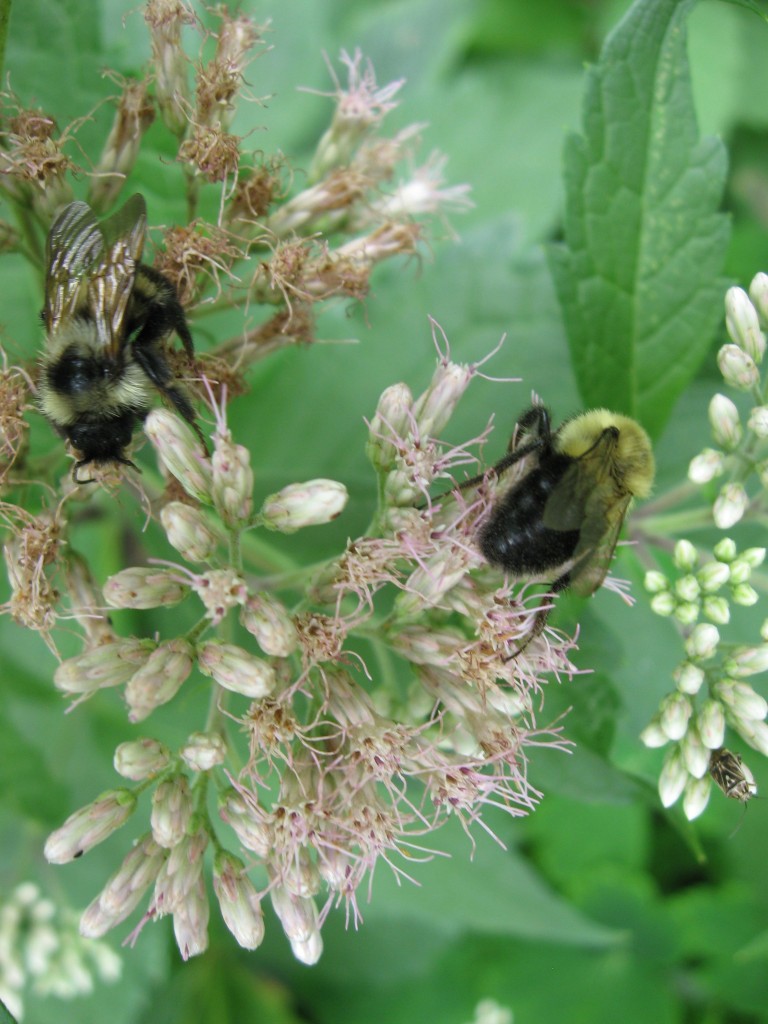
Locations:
(730, 505)
(717, 610)
(725, 550)
(90, 825)
(742, 323)
(758, 293)
(653, 735)
(758, 421)
(748, 661)
(159, 679)
(435, 406)
(203, 751)
(704, 467)
(687, 588)
(744, 595)
(188, 531)
(695, 753)
(696, 796)
(270, 623)
(141, 759)
(685, 555)
(655, 582)
(724, 420)
(239, 901)
(674, 714)
(172, 809)
(742, 701)
(689, 678)
(712, 576)
(663, 604)
(711, 724)
(108, 665)
(144, 587)
(392, 420)
(180, 452)
(754, 732)
(737, 367)
(702, 642)
(308, 504)
(232, 480)
(673, 778)
(686, 612)
(235, 669)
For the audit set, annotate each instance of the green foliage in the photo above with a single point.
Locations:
(637, 276)
(597, 909)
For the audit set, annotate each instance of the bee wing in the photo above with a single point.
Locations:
(111, 284)
(75, 245)
(585, 500)
(94, 262)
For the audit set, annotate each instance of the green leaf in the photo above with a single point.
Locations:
(638, 274)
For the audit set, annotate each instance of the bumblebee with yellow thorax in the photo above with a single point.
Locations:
(562, 518)
(106, 315)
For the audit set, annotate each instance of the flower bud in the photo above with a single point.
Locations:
(689, 678)
(685, 556)
(655, 582)
(188, 531)
(754, 732)
(686, 612)
(298, 916)
(232, 481)
(165, 19)
(742, 323)
(435, 406)
(744, 595)
(171, 811)
(754, 557)
(308, 504)
(737, 367)
(695, 753)
(663, 603)
(90, 825)
(190, 921)
(673, 778)
(247, 822)
(140, 587)
(730, 505)
(724, 420)
(702, 642)
(764, 630)
(124, 889)
(725, 550)
(239, 902)
(109, 665)
(392, 420)
(687, 588)
(141, 759)
(748, 661)
(717, 610)
(674, 713)
(235, 669)
(712, 576)
(696, 797)
(758, 421)
(758, 293)
(653, 735)
(742, 701)
(159, 679)
(706, 466)
(180, 452)
(203, 751)
(711, 724)
(269, 622)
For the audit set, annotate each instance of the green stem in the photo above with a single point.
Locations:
(5, 14)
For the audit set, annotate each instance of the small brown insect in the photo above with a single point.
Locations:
(730, 773)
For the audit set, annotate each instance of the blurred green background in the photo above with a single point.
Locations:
(603, 906)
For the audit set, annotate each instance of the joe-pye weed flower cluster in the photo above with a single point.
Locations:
(313, 759)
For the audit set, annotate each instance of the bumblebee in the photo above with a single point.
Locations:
(106, 315)
(732, 776)
(562, 518)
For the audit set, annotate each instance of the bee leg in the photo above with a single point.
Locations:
(152, 361)
(541, 617)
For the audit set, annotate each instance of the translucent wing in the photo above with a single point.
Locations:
(586, 500)
(93, 266)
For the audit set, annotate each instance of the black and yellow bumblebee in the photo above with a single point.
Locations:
(107, 316)
(563, 516)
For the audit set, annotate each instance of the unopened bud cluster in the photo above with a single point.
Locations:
(711, 689)
(740, 364)
(43, 952)
(708, 589)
